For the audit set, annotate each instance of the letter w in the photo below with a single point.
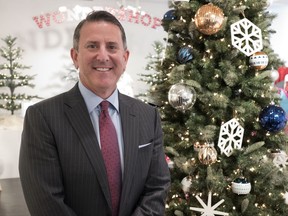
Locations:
(43, 19)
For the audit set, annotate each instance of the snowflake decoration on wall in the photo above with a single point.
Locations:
(208, 210)
(246, 37)
(231, 136)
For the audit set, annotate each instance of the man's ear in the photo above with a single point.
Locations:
(74, 57)
(126, 57)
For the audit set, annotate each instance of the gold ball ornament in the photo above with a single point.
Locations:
(259, 60)
(207, 155)
(209, 19)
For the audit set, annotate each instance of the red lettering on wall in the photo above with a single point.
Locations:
(121, 14)
(156, 22)
(42, 19)
(146, 20)
(133, 15)
(59, 17)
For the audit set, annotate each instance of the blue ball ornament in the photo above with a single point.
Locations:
(273, 118)
(169, 15)
(184, 55)
(241, 180)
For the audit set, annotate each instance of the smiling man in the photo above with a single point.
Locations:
(101, 55)
(92, 150)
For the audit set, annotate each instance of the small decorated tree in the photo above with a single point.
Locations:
(13, 78)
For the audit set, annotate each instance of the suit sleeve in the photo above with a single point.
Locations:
(39, 168)
(152, 201)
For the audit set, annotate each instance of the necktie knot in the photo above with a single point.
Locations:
(104, 105)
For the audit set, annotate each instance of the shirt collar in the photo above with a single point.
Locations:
(92, 100)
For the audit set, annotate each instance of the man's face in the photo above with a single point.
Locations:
(101, 57)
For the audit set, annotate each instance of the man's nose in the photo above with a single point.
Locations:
(102, 54)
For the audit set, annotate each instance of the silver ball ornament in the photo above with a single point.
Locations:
(274, 75)
(181, 96)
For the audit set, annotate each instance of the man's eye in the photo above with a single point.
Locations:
(91, 46)
(112, 47)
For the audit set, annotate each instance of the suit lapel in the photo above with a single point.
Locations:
(79, 118)
(130, 139)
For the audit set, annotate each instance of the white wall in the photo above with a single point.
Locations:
(46, 50)
(279, 40)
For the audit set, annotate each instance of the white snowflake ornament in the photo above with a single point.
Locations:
(280, 159)
(246, 37)
(231, 136)
(208, 209)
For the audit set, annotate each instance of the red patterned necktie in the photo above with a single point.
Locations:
(111, 155)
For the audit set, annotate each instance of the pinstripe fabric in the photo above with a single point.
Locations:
(62, 170)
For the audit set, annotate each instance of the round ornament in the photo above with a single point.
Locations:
(274, 75)
(273, 118)
(207, 155)
(259, 60)
(186, 184)
(241, 186)
(209, 19)
(181, 96)
(184, 55)
(169, 15)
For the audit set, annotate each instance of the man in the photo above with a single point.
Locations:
(62, 164)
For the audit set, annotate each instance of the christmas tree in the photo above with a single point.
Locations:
(13, 78)
(223, 127)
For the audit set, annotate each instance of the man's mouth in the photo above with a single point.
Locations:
(102, 69)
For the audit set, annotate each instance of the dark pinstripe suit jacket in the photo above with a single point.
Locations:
(61, 167)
